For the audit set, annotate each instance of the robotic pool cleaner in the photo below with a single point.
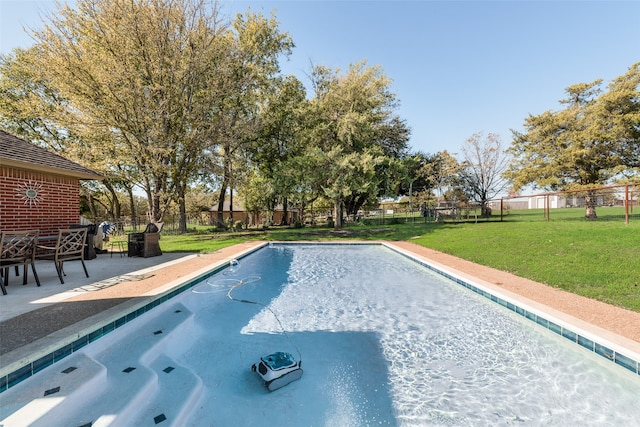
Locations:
(277, 369)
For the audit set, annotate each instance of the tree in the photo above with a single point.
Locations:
(256, 45)
(29, 105)
(617, 119)
(584, 145)
(341, 173)
(422, 175)
(278, 141)
(139, 71)
(351, 116)
(391, 141)
(481, 174)
(149, 87)
(441, 172)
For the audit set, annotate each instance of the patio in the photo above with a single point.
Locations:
(104, 270)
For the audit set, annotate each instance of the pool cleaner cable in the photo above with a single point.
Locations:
(246, 301)
(276, 369)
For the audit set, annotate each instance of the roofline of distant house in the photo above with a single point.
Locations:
(49, 169)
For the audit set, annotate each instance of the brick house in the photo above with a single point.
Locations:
(38, 189)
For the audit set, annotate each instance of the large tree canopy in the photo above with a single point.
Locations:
(252, 75)
(149, 86)
(617, 120)
(136, 70)
(594, 138)
(352, 114)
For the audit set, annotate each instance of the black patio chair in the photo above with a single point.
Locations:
(17, 249)
(147, 243)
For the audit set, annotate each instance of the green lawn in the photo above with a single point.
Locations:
(597, 259)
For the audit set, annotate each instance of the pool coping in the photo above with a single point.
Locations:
(612, 347)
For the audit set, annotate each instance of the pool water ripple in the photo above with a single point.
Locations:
(453, 356)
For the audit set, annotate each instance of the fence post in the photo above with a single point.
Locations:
(626, 204)
(547, 211)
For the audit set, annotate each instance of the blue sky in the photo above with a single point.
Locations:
(458, 67)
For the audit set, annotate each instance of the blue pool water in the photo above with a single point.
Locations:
(383, 340)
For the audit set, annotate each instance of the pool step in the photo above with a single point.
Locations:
(130, 380)
(144, 336)
(29, 403)
(116, 396)
(175, 396)
(129, 375)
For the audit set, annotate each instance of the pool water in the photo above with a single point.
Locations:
(383, 340)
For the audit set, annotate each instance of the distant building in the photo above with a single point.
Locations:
(555, 201)
(240, 215)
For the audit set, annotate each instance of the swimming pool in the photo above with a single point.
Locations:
(383, 339)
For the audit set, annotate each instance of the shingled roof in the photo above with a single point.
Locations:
(22, 154)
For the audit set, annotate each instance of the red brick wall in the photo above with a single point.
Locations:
(57, 204)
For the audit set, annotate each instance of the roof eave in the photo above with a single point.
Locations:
(52, 170)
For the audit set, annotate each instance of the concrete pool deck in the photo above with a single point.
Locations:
(117, 284)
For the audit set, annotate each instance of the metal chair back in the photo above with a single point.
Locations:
(18, 248)
(69, 246)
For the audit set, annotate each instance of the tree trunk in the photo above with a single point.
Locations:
(182, 222)
(220, 214)
(155, 213)
(300, 215)
(337, 214)
(116, 210)
(285, 212)
(182, 208)
(223, 191)
(132, 206)
(485, 210)
(226, 183)
(92, 207)
(231, 224)
(590, 201)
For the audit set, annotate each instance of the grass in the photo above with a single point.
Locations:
(592, 259)
(596, 259)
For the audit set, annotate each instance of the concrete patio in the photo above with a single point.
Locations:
(104, 270)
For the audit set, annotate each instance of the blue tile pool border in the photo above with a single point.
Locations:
(619, 358)
(29, 369)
